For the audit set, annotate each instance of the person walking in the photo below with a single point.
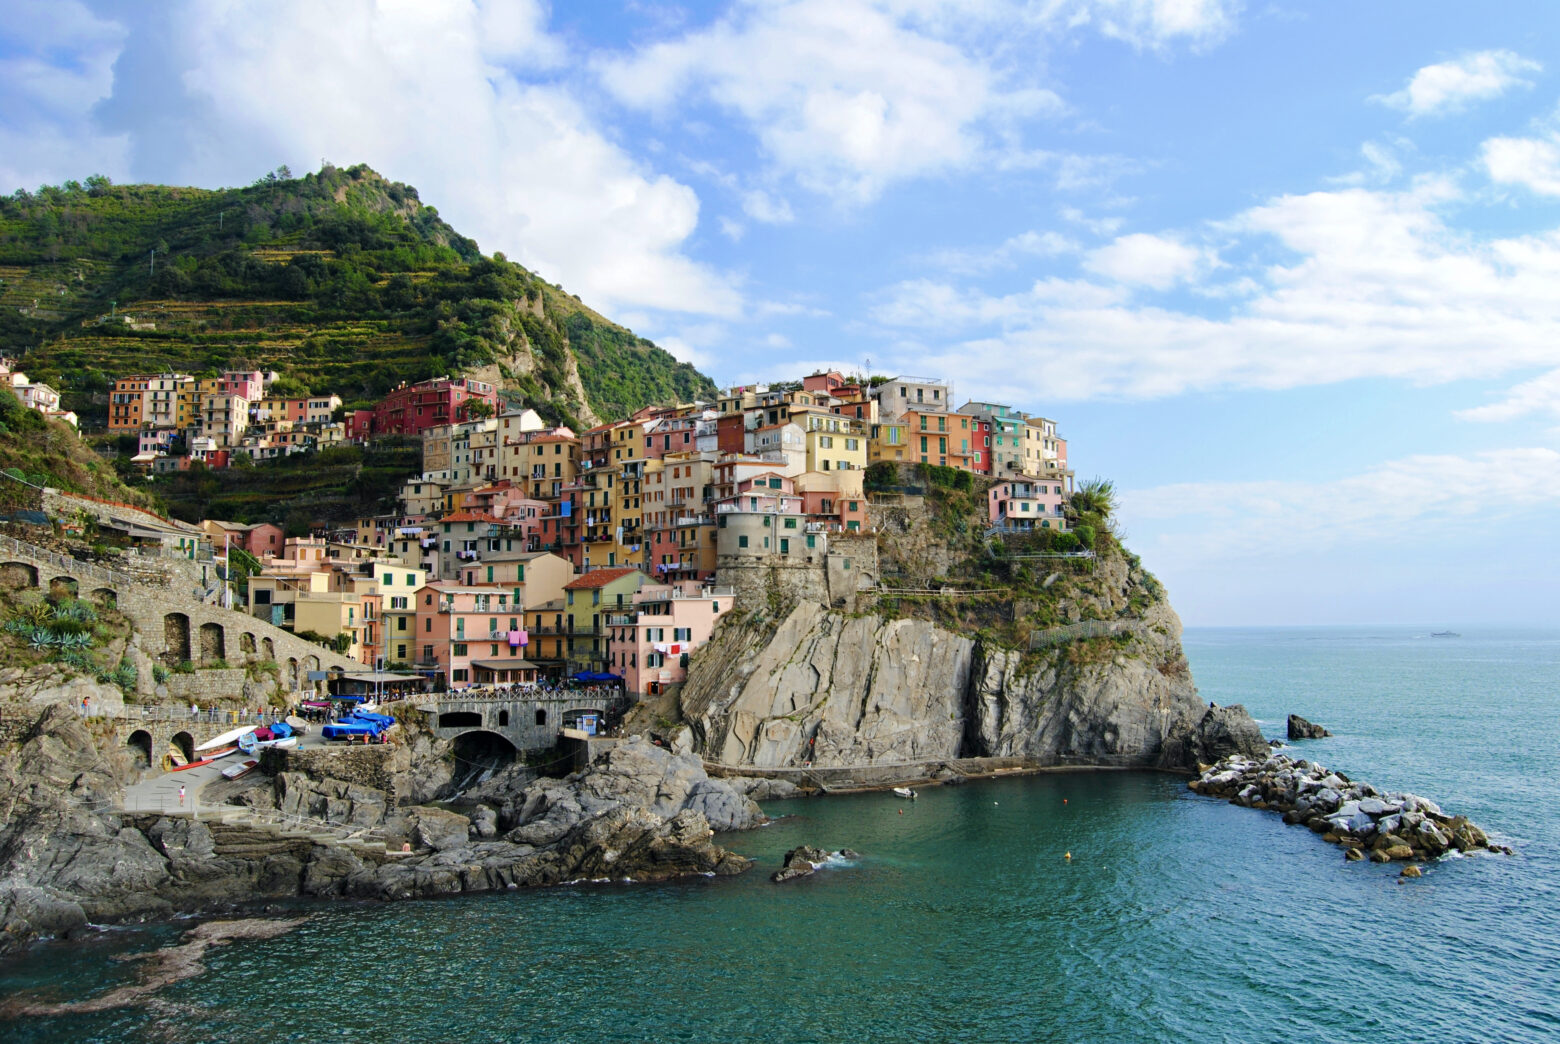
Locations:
(181, 795)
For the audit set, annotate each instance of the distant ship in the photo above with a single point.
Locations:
(1445, 634)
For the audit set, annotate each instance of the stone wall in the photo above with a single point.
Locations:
(837, 578)
(372, 766)
(206, 685)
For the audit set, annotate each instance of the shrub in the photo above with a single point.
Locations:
(159, 673)
(184, 667)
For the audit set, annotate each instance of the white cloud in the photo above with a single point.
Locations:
(1099, 226)
(1156, 23)
(1010, 252)
(445, 97)
(1140, 259)
(1368, 284)
(1540, 395)
(844, 95)
(1454, 85)
(761, 206)
(1531, 162)
(1407, 498)
(58, 63)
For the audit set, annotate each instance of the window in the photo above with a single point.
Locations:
(262, 597)
(459, 674)
(742, 541)
(427, 626)
(400, 652)
(812, 541)
(790, 523)
(785, 546)
(458, 649)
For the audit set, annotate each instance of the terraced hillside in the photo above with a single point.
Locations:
(342, 280)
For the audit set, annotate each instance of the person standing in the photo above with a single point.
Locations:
(181, 795)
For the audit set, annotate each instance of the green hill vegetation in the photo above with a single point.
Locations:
(35, 452)
(342, 280)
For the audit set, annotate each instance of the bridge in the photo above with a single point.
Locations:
(526, 719)
(174, 625)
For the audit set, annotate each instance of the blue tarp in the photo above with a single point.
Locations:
(597, 676)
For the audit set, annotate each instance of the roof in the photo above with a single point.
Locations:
(549, 438)
(597, 578)
(471, 516)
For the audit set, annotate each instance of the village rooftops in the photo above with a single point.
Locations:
(472, 516)
(597, 578)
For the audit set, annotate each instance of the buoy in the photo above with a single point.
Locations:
(1064, 801)
(901, 811)
(1068, 857)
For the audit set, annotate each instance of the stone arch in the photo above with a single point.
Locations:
(292, 673)
(478, 755)
(106, 597)
(503, 719)
(64, 587)
(310, 663)
(460, 720)
(176, 637)
(140, 744)
(213, 642)
(184, 742)
(267, 649)
(19, 574)
(246, 643)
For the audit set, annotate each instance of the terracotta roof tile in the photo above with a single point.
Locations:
(597, 578)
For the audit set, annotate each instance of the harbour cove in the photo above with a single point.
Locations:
(1177, 916)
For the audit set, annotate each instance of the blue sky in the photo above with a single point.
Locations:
(1289, 273)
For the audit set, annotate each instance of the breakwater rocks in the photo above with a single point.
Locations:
(1368, 823)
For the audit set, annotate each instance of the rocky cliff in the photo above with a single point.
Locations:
(67, 858)
(842, 689)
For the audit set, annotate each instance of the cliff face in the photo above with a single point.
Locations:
(844, 690)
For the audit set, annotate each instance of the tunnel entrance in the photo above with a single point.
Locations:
(478, 757)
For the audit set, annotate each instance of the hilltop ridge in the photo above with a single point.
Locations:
(342, 280)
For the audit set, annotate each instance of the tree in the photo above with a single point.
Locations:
(479, 409)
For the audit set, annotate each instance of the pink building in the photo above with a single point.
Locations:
(413, 408)
(250, 384)
(649, 645)
(1027, 504)
(471, 634)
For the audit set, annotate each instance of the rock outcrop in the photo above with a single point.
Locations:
(1365, 821)
(1299, 729)
(805, 861)
(67, 858)
(836, 689)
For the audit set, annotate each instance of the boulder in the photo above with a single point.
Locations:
(1299, 729)
(799, 862)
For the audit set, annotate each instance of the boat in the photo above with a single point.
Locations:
(904, 792)
(250, 744)
(215, 755)
(1445, 634)
(298, 725)
(227, 739)
(240, 770)
(176, 757)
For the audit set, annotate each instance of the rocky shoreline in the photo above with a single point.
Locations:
(68, 859)
(1368, 823)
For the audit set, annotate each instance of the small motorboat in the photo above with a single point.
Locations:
(1445, 634)
(215, 755)
(240, 770)
(176, 757)
(904, 792)
(298, 725)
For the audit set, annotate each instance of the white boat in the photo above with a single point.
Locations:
(299, 726)
(242, 769)
(904, 792)
(227, 738)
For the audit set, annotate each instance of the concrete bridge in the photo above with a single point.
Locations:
(174, 624)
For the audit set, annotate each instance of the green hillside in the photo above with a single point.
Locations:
(342, 280)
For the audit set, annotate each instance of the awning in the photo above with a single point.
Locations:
(505, 665)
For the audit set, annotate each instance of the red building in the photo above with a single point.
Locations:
(410, 409)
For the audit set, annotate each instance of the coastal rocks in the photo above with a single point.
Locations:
(805, 860)
(1365, 821)
(832, 689)
(67, 858)
(1299, 729)
(637, 773)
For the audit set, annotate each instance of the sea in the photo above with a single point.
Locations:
(1076, 907)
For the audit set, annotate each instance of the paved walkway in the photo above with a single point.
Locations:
(161, 793)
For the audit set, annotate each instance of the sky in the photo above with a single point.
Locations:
(1285, 272)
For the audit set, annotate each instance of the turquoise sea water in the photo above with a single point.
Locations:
(1178, 917)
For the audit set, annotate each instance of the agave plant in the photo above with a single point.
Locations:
(42, 638)
(74, 641)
